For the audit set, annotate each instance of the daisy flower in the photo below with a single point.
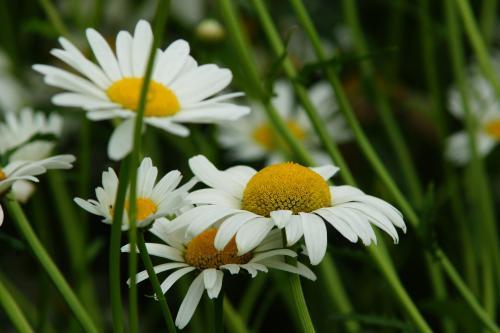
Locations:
(154, 199)
(485, 109)
(198, 254)
(28, 170)
(253, 138)
(247, 204)
(28, 136)
(178, 93)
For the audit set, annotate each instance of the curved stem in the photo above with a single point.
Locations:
(234, 321)
(146, 260)
(50, 268)
(13, 311)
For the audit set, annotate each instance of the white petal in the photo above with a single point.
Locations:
(160, 250)
(1, 215)
(213, 197)
(281, 217)
(326, 171)
(104, 55)
(252, 233)
(293, 230)
(213, 113)
(121, 141)
(141, 276)
(278, 252)
(338, 223)
(344, 193)
(171, 61)
(209, 277)
(124, 52)
(215, 290)
(172, 278)
(190, 302)
(141, 47)
(229, 227)
(315, 237)
(168, 126)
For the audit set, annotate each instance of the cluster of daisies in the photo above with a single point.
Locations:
(238, 220)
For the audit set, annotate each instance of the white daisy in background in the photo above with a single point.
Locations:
(154, 199)
(485, 109)
(28, 136)
(12, 94)
(198, 254)
(178, 93)
(253, 138)
(247, 204)
(27, 170)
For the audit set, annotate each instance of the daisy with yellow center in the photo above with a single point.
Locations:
(154, 199)
(198, 254)
(247, 205)
(253, 138)
(485, 110)
(16, 171)
(180, 91)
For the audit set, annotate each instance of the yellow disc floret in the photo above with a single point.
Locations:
(286, 186)
(3, 176)
(265, 136)
(160, 101)
(145, 207)
(201, 253)
(493, 129)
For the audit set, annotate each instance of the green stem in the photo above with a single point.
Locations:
(250, 297)
(159, 27)
(219, 313)
(466, 294)
(50, 268)
(146, 260)
(54, 18)
(13, 311)
(300, 303)
(234, 322)
(114, 249)
(396, 139)
(482, 197)
(488, 17)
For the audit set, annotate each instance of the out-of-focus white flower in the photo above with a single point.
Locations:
(484, 108)
(179, 91)
(253, 137)
(154, 199)
(210, 30)
(247, 204)
(12, 94)
(199, 255)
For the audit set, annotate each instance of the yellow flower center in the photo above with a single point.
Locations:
(265, 136)
(3, 176)
(160, 101)
(286, 186)
(201, 253)
(493, 129)
(144, 207)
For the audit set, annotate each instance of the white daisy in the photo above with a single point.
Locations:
(28, 170)
(28, 136)
(154, 200)
(248, 204)
(485, 110)
(178, 93)
(198, 254)
(253, 138)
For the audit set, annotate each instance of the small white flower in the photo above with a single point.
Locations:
(253, 138)
(248, 204)
(154, 199)
(198, 254)
(179, 92)
(28, 170)
(485, 111)
(28, 136)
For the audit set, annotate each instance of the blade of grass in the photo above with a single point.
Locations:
(13, 311)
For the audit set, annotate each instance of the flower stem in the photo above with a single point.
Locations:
(146, 260)
(51, 269)
(219, 313)
(488, 17)
(159, 27)
(54, 18)
(13, 311)
(300, 303)
(234, 321)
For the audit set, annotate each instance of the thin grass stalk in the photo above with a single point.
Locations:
(396, 139)
(155, 283)
(487, 19)
(13, 311)
(159, 26)
(478, 174)
(484, 191)
(234, 322)
(54, 18)
(250, 297)
(381, 258)
(49, 266)
(360, 135)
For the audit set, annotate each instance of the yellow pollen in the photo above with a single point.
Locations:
(201, 253)
(265, 136)
(160, 101)
(3, 176)
(145, 207)
(286, 186)
(493, 129)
